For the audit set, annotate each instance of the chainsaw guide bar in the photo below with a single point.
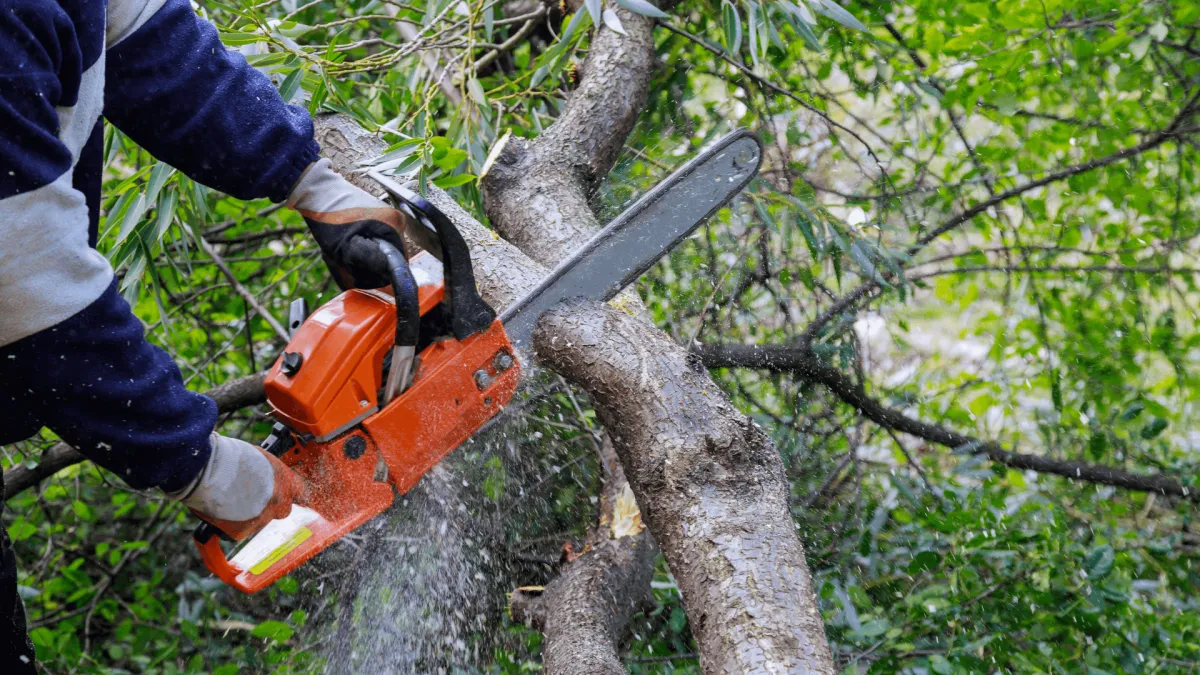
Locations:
(374, 388)
(633, 241)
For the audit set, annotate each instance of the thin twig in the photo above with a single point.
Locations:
(242, 291)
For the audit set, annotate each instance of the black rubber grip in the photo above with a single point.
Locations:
(469, 313)
(404, 288)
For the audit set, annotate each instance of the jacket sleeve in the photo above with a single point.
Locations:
(96, 382)
(178, 92)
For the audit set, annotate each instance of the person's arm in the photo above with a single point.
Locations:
(72, 355)
(173, 87)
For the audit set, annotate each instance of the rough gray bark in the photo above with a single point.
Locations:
(233, 395)
(711, 486)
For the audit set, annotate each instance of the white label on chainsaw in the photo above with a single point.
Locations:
(426, 269)
(276, 534)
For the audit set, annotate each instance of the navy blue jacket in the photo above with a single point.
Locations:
(72, 356)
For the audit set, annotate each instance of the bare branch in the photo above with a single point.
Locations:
(803, 363)
(241, 290)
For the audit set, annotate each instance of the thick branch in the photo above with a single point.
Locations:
(711, 486)
(806, 365)
(539, 190)
(537, 197)
(231, 396)
(585, 611)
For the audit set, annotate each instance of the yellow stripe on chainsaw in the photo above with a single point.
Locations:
(289, 545)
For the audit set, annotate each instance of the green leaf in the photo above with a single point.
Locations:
(832, 10)
(240, 39)
(291, 29)
(934, 39)
(1155, 427)
(732, 24)
(613, 21)
(642, 7)
(291, 84)
(862, 257)
(273, 630)
(678, 620)
(159, 176)
(21, 529)
(476, 91)
(83, 511)
(447, 182)
(1133, 410)
(1099, 562)
(593, 8)
(874, 628)
(924, 561)
(579, 22)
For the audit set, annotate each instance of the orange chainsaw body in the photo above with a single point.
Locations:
(354, 456)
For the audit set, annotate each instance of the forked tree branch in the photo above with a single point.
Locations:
(732, 571)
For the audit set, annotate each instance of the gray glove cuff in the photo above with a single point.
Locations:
(323, 190)
(235, 485)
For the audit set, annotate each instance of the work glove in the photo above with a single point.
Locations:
(347, 223)
(242, 488)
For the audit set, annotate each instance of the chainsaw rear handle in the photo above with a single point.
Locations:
(469, 313)
(206, 531)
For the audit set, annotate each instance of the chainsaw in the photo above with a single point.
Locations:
(375, 388)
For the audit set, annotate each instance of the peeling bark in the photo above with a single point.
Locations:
(711, 485)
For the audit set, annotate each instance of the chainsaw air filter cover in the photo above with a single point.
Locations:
(329, 378)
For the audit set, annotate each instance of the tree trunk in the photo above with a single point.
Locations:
(537, 197)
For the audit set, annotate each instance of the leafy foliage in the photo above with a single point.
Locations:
(1012, 183)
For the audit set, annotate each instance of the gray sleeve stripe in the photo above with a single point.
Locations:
(126, 16)
(48, 272)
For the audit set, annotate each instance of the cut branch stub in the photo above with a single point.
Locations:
(711, 486)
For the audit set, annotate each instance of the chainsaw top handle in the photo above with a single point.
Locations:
(469, 313)
(404, 289)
